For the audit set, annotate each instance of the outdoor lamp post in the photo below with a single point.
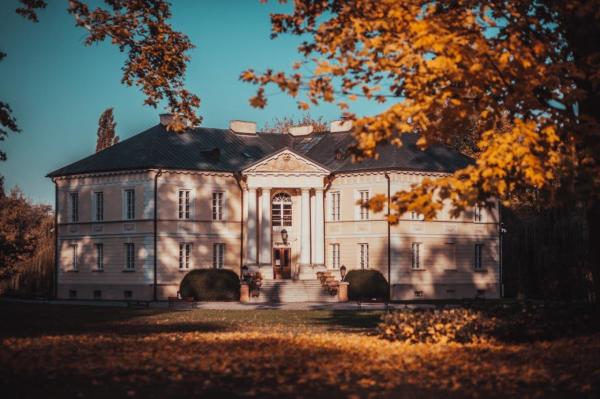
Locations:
(343, 272)
(284, 236)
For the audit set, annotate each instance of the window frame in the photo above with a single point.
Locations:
(130, 204)
(335, 205)
(99, 202)
(335, 255)
(416, 263)
(282, 204)
(74, 257)
(130, 256)
(74, 207)
(185, 254)
(99, 256)
(218, 200)
(184, 204)
(218, 255)
(478, 257)
(363, 255)
(477, 214)
(363, 212)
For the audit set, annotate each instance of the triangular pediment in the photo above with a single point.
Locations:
(286, 161)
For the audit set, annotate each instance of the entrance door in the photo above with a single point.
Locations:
(282, 263)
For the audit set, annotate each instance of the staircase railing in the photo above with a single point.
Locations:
(328, 282)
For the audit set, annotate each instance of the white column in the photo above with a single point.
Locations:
(319, 247)
(305, 227)
(312, 230)
(251, 244)
(265, 228)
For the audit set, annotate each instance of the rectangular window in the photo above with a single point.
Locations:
(477, 214)
(478, 259)
(99, 205)
(218, 255)
(75, 207)
(414, 215)
(130, 204)
(217, 206)
(99, 256)
(74, 257)
(129, 256)
(127, 294)
(451, 253)
(97, 294)
(364, 201)
(335, 256)
(416, 255)
(72, 294)
(363, 256)
(335, 206)
(418, 294)
(184, 204)
(185, 250)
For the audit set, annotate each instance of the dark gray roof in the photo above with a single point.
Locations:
(225, 151)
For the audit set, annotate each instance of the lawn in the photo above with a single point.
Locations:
(91, 352)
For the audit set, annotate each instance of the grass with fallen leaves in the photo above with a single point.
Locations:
(93, 352)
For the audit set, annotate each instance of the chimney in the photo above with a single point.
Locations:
(242, 127)
(301, 130)
(340, 126)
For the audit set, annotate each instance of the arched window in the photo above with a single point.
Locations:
(281, 210)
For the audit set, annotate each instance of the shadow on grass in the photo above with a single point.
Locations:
(351, 320)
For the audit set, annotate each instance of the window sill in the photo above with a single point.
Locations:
(72, 271)
(480, 270)
(418, 270)
(128, 271)
(185, 270)
(97, 270)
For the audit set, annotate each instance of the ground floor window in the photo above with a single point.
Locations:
(218, 255)
(72, 293)
(74, 257)
(129, 256)
(363, 260)
(416, 255)
(99, 256)
(335, 256)
(477, 261)
(97, 294)
(128, 294)
(185, 250)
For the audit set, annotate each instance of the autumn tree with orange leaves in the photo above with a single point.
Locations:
(438, 65)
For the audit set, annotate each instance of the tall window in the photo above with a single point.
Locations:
(335, 205)
(416, 255)
(185, 250)
(217, 206)
(364, 200)
(451, 246)
(478, 259)
(414, 215)
(363, 255)
(335, 256)
(74, 207)
(130, 204)
(99, 205)
(218, 255)
(281, 210)
(184, 204)
(129, 256)
(99, 256)
(477, 214)
(74, 257)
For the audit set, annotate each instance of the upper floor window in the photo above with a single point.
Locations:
(99, 256)
(218, 255)
(364, 201)
(335, 256)
(335, 205)
(99, 197)
(184, 204)
(217, 205)
(478, 259)
(363, 256)
(416, 255)
(129, 256)
(74, 199)
(477, 214)
(130, 204)
(281, 210)
(185, 250)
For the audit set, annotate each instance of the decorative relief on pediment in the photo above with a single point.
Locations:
(286, 162)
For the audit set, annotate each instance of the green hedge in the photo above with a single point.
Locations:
(367, 285)
(211, 285)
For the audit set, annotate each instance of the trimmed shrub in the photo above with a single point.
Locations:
(367, 285)
(211, 285)
(432, 326)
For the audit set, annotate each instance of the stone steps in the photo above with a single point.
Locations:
(293, 291)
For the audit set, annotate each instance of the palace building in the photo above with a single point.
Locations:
(133, 219)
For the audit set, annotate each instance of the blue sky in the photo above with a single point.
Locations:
(57, 87)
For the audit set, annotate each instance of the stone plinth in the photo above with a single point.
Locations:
(244, 292)
(343, 291)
